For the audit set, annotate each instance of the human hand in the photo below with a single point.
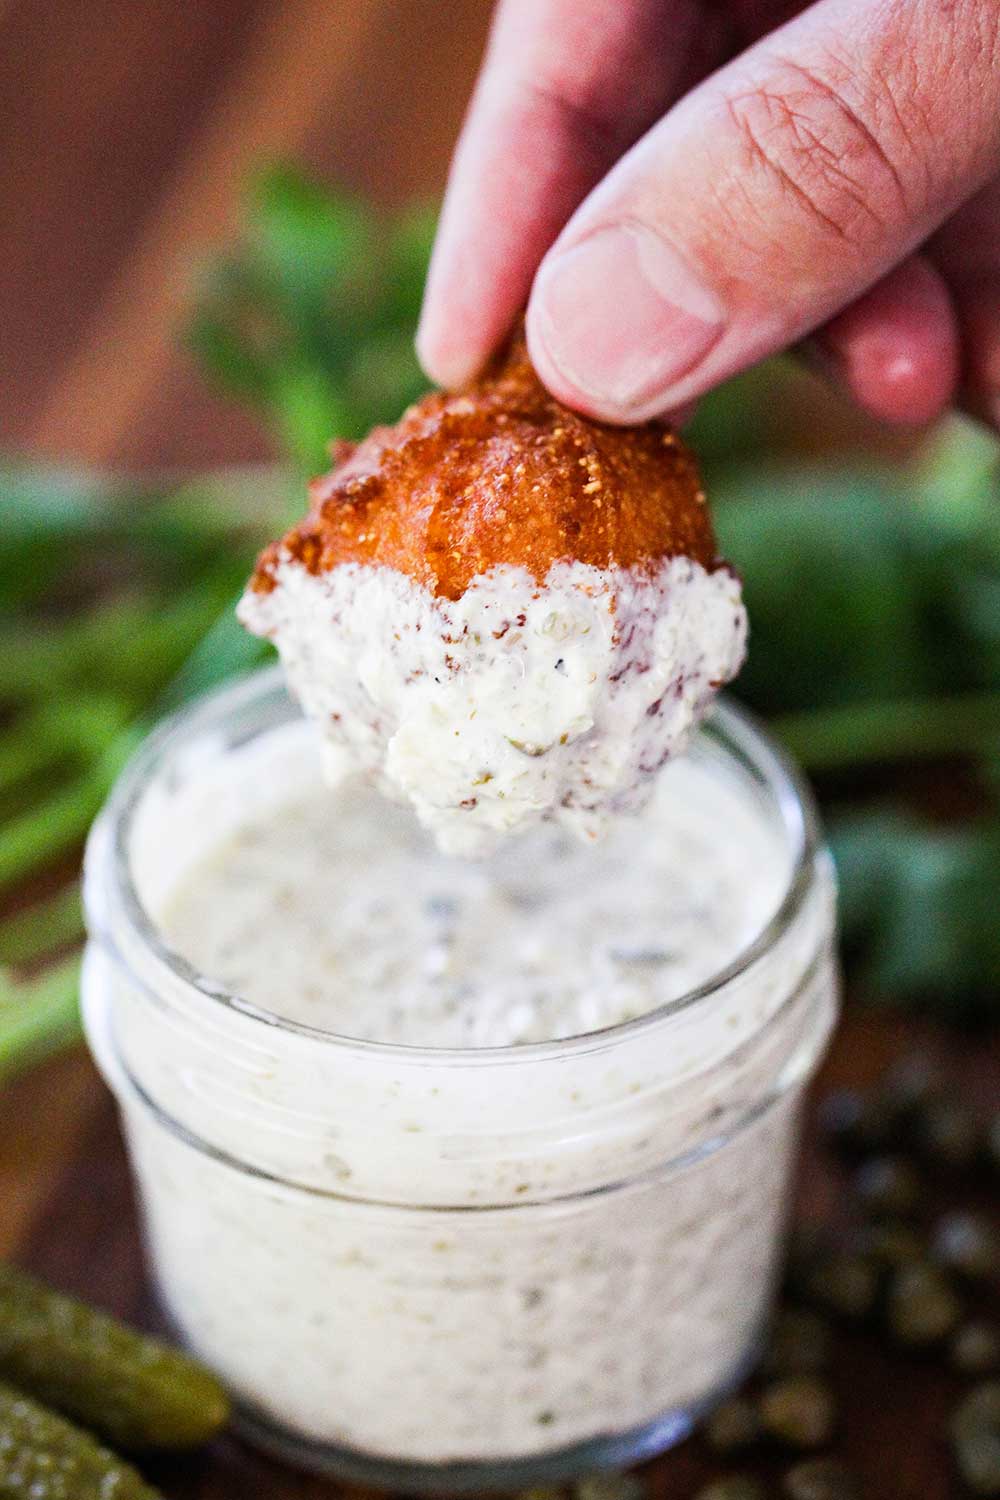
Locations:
(669, 225)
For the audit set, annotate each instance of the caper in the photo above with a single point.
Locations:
(975, 1348)
(800, 1343)
(856, 1123)
(821, 1479)
(733, 1487)
(733, 1425)
(967, 1243)
(980, 1408)
(977, 1455)
(947, 1133)
(975, 1433)
(609, 1487)
(799, 1411)
(922, 1307)
(845, 1283)
(888, 1185)
(889, 1242)
(911, 1083)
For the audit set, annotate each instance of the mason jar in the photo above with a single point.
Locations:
(439, 1268)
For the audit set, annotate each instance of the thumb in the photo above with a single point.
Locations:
(770, 197)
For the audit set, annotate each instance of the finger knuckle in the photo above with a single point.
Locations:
(970, 37)
(801, 133)
(945, 62)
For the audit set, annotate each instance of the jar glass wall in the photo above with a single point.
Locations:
(464, 1268)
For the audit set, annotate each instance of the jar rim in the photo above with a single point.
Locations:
(731, 723)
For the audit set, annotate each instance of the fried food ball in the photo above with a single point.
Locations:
(500, 474)
(501, 611)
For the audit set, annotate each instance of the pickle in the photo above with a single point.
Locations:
(44, 1457)
(135, 1391)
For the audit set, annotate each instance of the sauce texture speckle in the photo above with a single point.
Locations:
(336, 910)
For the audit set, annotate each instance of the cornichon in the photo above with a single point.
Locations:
(44, 1457)
(133, 1390)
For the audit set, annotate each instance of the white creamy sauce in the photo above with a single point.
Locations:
(515, 702)
(338, 911)
(435, 1256)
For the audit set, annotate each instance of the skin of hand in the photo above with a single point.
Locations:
(679, 188)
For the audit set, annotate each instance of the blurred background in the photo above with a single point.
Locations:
(128, 129)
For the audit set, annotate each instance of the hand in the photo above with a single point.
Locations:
(838, 176)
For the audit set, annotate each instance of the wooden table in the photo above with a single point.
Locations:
(68, 1213)
(128, 132)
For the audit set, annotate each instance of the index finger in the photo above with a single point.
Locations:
(566, 87)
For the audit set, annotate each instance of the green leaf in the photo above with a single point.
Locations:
(25, 753)
(956, 474)
(832, 598)
(312, 242)
(43, 832)
(38, 1016)
(408, 255)
(857, 734)
(312, 318)
(48, 503)
(307, 412)
(49, 747)
(741, 419)
(226, 353)
(919, 907)
(39, 929)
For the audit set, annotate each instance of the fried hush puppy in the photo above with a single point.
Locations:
(501, 611)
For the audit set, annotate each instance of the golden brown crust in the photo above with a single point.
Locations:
(500, 473)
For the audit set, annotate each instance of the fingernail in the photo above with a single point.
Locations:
(450, 368)
(622, 318)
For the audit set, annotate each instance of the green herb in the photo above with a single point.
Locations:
(874, 600)
(310, 320)
(919, 904)
(142, 576)
(43, 927)
(38, 1016)
(800, 1411)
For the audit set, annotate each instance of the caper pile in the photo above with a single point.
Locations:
(789, 1407)
(925, 1281)
(596, 1487)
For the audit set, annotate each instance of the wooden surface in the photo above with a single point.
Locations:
(68, 1213)
(127, 130)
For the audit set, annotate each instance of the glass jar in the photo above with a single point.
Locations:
(453, 1269)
